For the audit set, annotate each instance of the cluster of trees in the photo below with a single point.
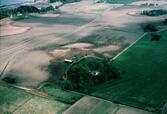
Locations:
(26, 9)
(150, 4)
(88, 73)
(150, 28)
(50, 8)
(165, 21)
(99, 1)
(10, 79)
(64, 1)
(155, 37)
(154, 12)
(5, 12)
(153, 29)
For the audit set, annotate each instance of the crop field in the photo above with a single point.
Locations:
(11, 98)
(16, 101)
(143, 75)
(101, 8)
(68, 97)
(35, 50)
(38, 105)
(93, 105)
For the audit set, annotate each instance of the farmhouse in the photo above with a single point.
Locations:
(68, 61)
(94, 73)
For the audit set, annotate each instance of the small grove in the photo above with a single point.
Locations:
(5, 12)
(83, 75)
(158, 12)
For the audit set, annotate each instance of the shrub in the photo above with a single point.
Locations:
(65, 1)
(154, 12)
(50, 8)
(10, 80)
(150, 28)
(27, 9)
(155, 37)
(165, 21)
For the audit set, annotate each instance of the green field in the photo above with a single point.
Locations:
(38, 105)
(143, 79)
(68, 97)
(17, 101)
(11, 98)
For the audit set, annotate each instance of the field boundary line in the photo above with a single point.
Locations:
(135, 43)
(21, 105)
(129, 46)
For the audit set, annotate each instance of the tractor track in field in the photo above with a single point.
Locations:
(31, 43)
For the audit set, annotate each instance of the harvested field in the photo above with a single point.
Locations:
(93, 7)
(60, 53)
(7, 29)
(114, 27)
(49, 15)
(28, 71)
(78, 46)
(93, 105)
(106, 48)
(70, 50)
(39, 105)
(100, 8)
(86, 29)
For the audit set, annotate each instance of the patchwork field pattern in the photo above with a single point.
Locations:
(18, 101)
(143, 75)
(68, 97)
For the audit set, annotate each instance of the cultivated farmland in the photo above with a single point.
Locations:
(143, 75)
(16, 101)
